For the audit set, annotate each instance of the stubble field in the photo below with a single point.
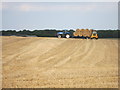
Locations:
(37, 62)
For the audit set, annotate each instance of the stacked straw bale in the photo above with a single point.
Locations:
(86, 33)
(91, 31)
(83, 32)
(76, 33)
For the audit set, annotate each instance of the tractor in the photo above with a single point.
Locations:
(63, 34)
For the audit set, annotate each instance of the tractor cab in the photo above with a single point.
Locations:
(94, 35)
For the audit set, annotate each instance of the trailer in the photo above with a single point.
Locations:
(86, 33)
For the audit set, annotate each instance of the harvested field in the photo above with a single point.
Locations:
(36, 62)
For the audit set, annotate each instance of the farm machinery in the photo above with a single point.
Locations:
(86, 33)
(82, 33)
(65, 34)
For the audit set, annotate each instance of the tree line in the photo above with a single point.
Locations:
(52, 33)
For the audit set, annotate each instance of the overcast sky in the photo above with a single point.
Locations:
(59, 15)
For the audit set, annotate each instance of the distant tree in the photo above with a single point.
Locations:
(53, 32)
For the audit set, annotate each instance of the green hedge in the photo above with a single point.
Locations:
(52, 33)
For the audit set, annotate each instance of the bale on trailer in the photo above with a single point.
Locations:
(86, 33)
(91, 31)
(76, 33)
(81, 32)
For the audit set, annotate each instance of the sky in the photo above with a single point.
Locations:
(59, 15)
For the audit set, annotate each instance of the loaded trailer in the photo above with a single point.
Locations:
(86, 33)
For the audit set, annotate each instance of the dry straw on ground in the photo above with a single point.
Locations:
(36, 62)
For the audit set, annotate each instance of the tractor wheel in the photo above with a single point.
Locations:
(67, 36)
(87, 38)
(59, 36)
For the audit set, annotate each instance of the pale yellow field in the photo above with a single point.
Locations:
(36, 62)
